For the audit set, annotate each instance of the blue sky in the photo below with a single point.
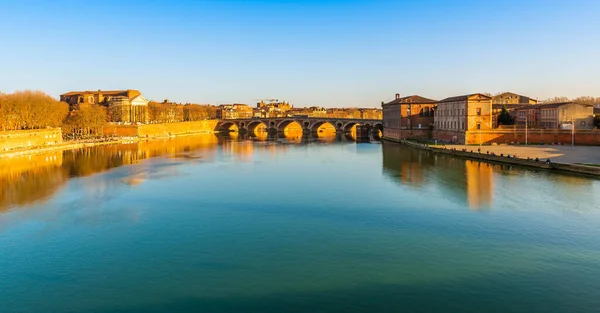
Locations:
(328, 53)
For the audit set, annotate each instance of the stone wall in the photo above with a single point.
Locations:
(395, 134)
(456, 136)
(161, 130)
(545, 136)
(20, 139)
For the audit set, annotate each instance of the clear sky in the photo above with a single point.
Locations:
(328, 53)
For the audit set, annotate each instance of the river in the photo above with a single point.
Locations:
(207, 224)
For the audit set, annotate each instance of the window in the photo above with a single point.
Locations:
(478, 111)
(478, 125)
(462, 125)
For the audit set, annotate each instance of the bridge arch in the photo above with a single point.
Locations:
(348, 126)
(283, 125)
(256, 125)
(316, 125)
(228, 126)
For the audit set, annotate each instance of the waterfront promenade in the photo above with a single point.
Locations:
(556, 153)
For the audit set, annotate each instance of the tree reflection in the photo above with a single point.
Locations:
(34, 178)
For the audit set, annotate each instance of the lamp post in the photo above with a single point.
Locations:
(572, 132)
(526, 122)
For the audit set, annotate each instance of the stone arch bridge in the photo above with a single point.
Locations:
(308, 124)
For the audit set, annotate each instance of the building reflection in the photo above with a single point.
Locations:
(468, 181)
(480, 184)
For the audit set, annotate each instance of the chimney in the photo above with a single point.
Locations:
(397, 96)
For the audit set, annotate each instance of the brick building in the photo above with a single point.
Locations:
(455, 116)
(406, 117)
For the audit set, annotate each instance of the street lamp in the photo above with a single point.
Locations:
(526, 122)
(572, 132)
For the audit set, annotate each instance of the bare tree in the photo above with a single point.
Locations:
(556, 100)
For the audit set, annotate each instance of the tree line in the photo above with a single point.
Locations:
(168, 112)
(24, 110)
(31, 110)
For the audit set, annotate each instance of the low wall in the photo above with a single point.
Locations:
(534, 136)
(395, 134)
(537, 136)
(449, 136)
(19, 139)
(161, 130)
(120, 130)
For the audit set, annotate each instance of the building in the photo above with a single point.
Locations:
(497, 109)
(308, 112)
(126, 106)
(272, 108)
(403, 115)
(371, 114)
(234, 111)
(512, 98)
(455, 116)
(557, 116)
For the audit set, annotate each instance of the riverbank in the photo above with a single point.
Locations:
(65, 145)
(69, 145)
(469, 152)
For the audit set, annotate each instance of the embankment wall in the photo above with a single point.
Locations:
(161, 130)
(36, 138)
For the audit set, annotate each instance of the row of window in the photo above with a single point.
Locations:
(449, 125)
(454, 112)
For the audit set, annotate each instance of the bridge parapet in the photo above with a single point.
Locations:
(307, 123)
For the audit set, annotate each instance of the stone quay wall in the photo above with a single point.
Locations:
(35, 138)
(161, 130)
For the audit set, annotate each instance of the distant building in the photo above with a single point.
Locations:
(407, 113)
(564, 115)
(234, 111)
(371, 114)
(127, 106)
(512, 98)
(272, 108)
(457, 115)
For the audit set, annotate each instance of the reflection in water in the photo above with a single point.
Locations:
(480, 184)
(29, 179)
(469, 180)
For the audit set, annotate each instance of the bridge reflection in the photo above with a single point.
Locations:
(32, 179)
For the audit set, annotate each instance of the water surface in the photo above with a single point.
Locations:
(200, 224)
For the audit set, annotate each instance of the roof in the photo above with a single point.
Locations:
(465, 97)
(130, 93)
(411, 99)
(552, 105)
(508, 105)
